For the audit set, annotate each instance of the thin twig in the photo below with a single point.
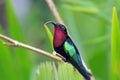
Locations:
(11, 42)
(54, 11)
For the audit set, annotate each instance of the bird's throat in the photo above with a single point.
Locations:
(59, 37)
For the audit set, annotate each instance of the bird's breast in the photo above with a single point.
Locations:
(59, 38)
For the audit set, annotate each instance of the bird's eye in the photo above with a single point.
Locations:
(63, 27)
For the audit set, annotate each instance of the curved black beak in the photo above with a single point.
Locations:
(50, 22)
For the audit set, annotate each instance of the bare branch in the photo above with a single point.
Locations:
(11, 42)
(54, 11)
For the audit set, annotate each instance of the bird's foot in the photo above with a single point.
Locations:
(56, 54)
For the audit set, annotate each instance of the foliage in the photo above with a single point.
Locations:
(93, 26)
(15, 62)
(49, 34)
(64, 71)
(115, 45)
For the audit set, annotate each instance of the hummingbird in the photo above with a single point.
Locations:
(64, 46)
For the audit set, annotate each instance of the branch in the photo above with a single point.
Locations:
(54, 11)
(11, 42)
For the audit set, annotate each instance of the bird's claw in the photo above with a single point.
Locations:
(56, 54)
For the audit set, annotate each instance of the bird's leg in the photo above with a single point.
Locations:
(54, 53)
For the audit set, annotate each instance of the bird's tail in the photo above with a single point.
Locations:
(82, 69)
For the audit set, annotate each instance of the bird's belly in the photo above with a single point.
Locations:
(60, 50)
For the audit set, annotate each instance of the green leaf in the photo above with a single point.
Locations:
(21, 59)
(7, 71)
(80, 6)
(81, 9)
(115, 47)
(49, 35)
(65, 71)
(6, 65)
(45, 72)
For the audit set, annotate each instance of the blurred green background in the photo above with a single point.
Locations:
(89, 22)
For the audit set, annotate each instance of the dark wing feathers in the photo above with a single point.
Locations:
(75, 58)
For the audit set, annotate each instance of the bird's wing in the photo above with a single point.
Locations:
(69, 48)
(75, 59)
(71, 51)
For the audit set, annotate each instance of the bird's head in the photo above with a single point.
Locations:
(58, 27)
(60, 33)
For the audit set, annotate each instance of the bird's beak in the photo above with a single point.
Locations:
(50, 22)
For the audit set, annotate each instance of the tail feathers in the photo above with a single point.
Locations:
(83, 70)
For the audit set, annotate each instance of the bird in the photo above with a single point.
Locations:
(63, 45)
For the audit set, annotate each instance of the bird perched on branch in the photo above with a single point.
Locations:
(64, 46)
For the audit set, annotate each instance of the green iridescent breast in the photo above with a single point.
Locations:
(69, 49)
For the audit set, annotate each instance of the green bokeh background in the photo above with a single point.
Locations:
(89, 23)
